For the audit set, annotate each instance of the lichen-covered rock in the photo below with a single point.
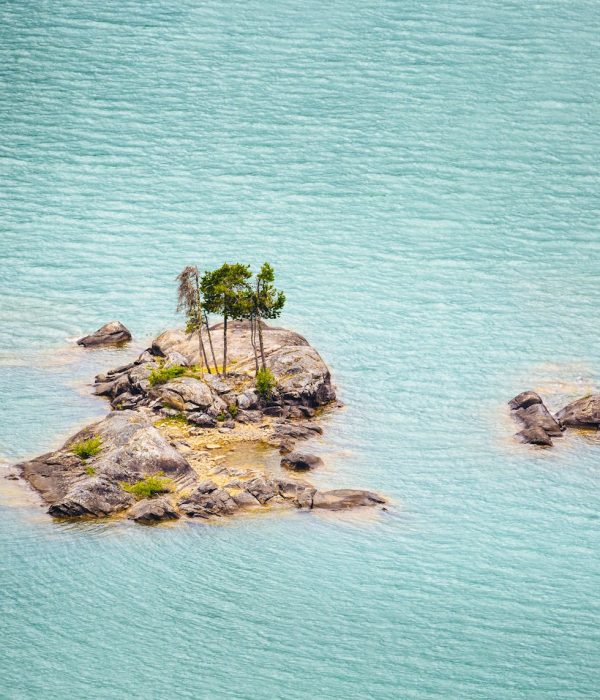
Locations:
(262, 489)
(341, 499)
(152, 510)
(299, 492)
(112, 333)
(184, 393)
(583, 413)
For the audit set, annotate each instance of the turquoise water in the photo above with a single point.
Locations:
(424, 178)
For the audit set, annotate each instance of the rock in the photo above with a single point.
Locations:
(152, 510)
(299, 492)
(244, 499)
(96, 496)
(299, 412)
(534, 436)
(184, 393)
(212, 446)
(261, 489)
(274, 411)
(175, 359)
(530, 412)
(113, 333)
(302, 376)
(203, 504)
(524, 400)
(131, 448)
(202, 419)
(340, 499)
(217, 384)
(248, 400)
(249, 417)
(583, 413)
(301, 461)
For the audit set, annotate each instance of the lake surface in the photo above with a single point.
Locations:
(424, 178)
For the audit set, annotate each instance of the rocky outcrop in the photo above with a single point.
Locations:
(208, 500)
(303, 379)
(583, 413)
(131, 448)
(112, 333)
(538, 425)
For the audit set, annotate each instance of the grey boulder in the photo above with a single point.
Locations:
(341, 499)
(301, 461)
(583, 413)
(112, 333)
(152, 510)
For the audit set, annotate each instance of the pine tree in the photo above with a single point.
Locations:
(189, 300)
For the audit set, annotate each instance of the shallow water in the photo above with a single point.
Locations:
(424, 178)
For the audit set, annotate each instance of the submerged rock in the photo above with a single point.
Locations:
(301, 461)
(112, 333)
(341, 499)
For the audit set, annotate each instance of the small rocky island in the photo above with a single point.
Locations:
(163, 451)
(539, 426)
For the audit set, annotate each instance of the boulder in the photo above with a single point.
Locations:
(299, 492)
(301, 461)
(529, 411)
(184, 393)
(113, 333)
(204, 504)
(244, 499)
(152, 510)
(583, 413)
(203, 420)
(130, 449)
(175, 359)
(341, 499)
(96, 497)
(262, 489)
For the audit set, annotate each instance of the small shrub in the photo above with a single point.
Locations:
(265, 383)
(221, 417)
(179, 419)
(161, 375)
(87, 448)
(90, 471)
(149, 487)
(233, 409)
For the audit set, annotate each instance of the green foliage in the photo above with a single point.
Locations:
(225, 290)
(221, 417)
(87, 448)
(233, 409)
(161, 375)
(269, 301)
(265, 383)
(179, 419)
(149, 487)
(90, 471)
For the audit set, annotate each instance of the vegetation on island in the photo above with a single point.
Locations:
(149, 487)
(85, 449)
(234, 293)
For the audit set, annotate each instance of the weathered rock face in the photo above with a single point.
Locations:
(208, 500)
(131, 448)
(538, 425)
(112, 333)
(583, 413)
(153, 510)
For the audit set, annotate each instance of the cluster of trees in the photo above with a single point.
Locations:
(230, 291)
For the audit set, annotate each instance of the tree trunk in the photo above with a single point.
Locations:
(199, 327)
(253, 341)
(260, 340)
(210, 342)
(224, 345)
